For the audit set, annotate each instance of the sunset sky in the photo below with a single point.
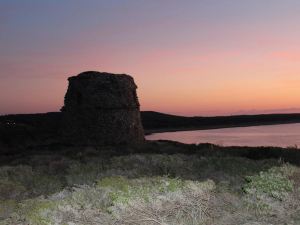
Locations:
(194, 57)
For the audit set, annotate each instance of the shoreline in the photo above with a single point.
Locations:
(175, 129)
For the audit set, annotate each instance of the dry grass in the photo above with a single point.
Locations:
(148, 189)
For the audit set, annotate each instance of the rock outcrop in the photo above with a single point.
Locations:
(101, 109)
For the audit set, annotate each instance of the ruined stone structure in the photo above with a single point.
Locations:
(101, 109)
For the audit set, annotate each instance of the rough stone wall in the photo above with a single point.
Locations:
(101, 109)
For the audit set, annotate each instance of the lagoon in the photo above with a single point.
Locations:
(285, 135)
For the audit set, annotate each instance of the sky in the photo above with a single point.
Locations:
(193, 57)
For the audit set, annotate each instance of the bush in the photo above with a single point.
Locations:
(274, 182)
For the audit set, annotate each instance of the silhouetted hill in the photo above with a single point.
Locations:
(37, 119)
(155, 121)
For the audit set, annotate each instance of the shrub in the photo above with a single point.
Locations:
(274, 182)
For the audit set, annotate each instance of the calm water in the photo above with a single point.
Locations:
(273, 135)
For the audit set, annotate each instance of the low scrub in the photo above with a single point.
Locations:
(148, 189)
(273, 191)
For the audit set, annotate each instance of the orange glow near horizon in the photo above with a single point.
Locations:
(173, 86)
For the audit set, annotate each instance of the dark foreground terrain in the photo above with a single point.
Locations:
(158, 183)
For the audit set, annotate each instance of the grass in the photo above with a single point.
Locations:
(96, 187)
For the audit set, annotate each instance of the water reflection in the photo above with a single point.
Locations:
(273, 135)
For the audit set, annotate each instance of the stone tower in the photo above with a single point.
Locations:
(102, 109)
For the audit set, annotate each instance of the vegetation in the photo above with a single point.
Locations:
(274, 183)
(96, 187)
